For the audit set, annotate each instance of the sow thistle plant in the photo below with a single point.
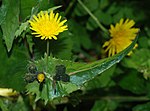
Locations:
(51, 78)
(62, 77)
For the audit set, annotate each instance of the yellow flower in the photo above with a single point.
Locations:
(6, 92)
(122, 35)
(47, 26)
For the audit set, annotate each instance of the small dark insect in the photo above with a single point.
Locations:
(32, 69)
(29, 77)
(61, 74)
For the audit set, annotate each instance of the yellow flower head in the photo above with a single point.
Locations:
(122, 35)
(47, 26)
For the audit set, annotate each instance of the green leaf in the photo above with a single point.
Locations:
(138, 84)
(101, 81)
(62, 48)
(19, 105)
(3, 106)
(135, 61)
(89, 71)
(10, 22)
(13, 67)
(22, 28)
(141, 64)
(142, 107)
(26, 6)
(143, 42)
(79, 73)
(104, 105)
(79, 40)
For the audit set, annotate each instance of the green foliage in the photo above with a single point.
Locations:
(19, 105)
(142, 107)
(96, 83)
(141, 64)
(104, 105)
(92, 6)
(79, 40)
(80, 73)
(104, 80)
(10, 22)
(13, 67)
(137, 86)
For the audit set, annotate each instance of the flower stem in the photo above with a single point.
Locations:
(47, 54)
(93, 16)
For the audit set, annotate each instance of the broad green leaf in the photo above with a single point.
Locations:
(62, 48)
(138, 84)
(101, 81)
(25, 8)
(79, 73)
(10, 22)
(13, 67)
(141, 64)
(79, 40)
(3, 11)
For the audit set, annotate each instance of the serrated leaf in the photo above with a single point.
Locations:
(80, 73)
(22, 28)
(11, 21)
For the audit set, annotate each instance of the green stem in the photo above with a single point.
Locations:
(47, 54)
(120, 98)
(94, 18)
(69, 7)
(108, 98)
